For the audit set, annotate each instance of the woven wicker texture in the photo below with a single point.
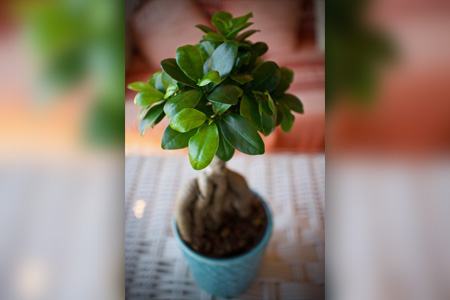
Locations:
(293, 265)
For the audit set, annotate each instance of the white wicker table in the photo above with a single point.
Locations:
(293, 266)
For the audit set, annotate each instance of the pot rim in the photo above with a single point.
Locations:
(234, 259)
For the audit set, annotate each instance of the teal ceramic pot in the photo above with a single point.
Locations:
(226, 277)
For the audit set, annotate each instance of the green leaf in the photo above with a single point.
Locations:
(220, 108)
(221, 15)
(232, 34)
(286, 78)
(263, 104)
(203, 52)
(241, 134)
(249, 109)
(175, 140)
(222, 21)
(143, 112)
(139, 86)
(271, 103)
(188, 99)
(225, 151)
(158, 82)
(266, 76)
(208, 47)
(223, 58)
(292, 102)
(170, 66)
(287, 118)
(242, 19)
(187, 119)
(243, 59)
(213, 37)
(211, 76)
(161, 81)
(204, 28)
(203, 146)
(153, 116)
(246, 34)
(205, 107)
(268, 120)
(148, 97)
(171, 89)
(259, 48)
(241, 78)
(225, 93)
(189, 59)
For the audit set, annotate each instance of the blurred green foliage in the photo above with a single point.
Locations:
(82, 40)
(355, 51)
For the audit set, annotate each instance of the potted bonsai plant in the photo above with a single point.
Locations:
(218, 95)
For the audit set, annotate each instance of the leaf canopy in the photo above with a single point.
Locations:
(219, 95)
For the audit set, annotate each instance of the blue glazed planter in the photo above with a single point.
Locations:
(226, 277)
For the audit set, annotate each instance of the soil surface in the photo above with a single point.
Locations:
(236, 236)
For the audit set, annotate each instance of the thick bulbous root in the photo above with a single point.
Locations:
(205, 201)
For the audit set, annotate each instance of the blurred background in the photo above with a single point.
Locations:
(388, 145)
(61, 156)
(294, 31)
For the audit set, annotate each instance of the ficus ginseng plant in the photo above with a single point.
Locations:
(218, 94)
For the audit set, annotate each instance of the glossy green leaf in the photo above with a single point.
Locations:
(205, 107)
(210, 77)
(204, 28)
(249, 109)
(139, 86)
(241, 134)
(171, 89)
(287, 118)
(170, 66)
(175, 140)
(220, 108)
(190, 61)
(270, 103)
(148, 97)
(152, 117)
(225, 93)
(259, 48)
(246, 34)
(143, 112)
(157, 82)
(225, 151)
(260, 97)
(244, 58)
(232, 33)
(222, 21)
(208, 47)
(187, 119)
(203, 146)
(241, 78)
(268, 120)
(213, 37)
(242, 19)
(286, 78)
(292, 102)
(203, 54)
(161, 81)
(223, 58)
(188, 99)
(266, 76)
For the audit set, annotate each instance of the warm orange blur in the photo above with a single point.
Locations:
(411, 106)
